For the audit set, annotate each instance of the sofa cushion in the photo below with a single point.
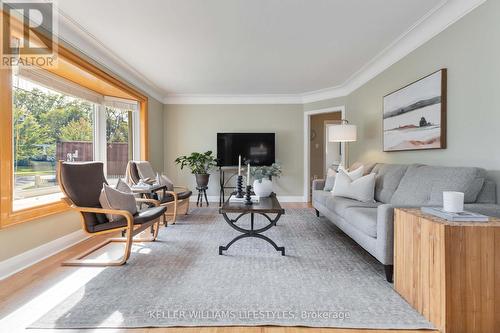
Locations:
(320, 196)
(367, 167)
(388, 179)
(364, 219)
(338, 205)
(424, 185)
(488, 194)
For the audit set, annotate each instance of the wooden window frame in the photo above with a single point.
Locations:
(8, 216)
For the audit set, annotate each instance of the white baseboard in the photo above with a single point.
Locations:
(281, 198)
(291, 198)
(211, 198)
(31, 257)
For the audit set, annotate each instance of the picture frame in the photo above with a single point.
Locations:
(414, 116)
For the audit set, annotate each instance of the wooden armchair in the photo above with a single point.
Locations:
(176, 197)
(82, 184)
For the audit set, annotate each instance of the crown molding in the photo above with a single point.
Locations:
(233, 99)
(434, 22)
(72, 33)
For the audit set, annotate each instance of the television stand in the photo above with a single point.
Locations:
(223, 182)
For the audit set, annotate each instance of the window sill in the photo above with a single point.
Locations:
(33, 213)
(36, 201)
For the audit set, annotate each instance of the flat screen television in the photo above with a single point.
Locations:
(258, 148)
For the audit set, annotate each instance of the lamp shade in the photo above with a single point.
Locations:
(342, 133)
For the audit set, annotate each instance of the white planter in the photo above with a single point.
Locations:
(264, 188)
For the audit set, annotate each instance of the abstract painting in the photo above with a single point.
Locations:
(415, 115)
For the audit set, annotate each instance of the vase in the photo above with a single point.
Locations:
(202, 180)
(263, 188)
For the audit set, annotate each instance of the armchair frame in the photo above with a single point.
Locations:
(173, 207)
(177, 204)
(130, 229)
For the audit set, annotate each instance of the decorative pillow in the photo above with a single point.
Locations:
(165, 181)
(361, 189)
(123, 186)
(331, 172)
(329, 182)
(353, 174)
(114, 199)
(330, 176)
(330, 179)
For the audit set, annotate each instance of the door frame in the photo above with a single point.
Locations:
(307, 134)
(327, 123)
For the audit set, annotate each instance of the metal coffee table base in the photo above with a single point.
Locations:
(246, 233)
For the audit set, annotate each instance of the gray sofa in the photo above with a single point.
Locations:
(371, 224)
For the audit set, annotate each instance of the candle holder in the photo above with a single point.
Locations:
(248, 196)
(239, 187)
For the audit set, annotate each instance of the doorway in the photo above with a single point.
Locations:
(319, 154)
(322, 154)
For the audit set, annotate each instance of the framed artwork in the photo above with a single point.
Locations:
(414, 116)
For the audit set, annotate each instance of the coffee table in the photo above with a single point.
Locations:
(264, 207)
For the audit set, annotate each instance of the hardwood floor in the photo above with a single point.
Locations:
(27, 295)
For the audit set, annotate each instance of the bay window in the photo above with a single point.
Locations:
(54, 119)
(73, 112)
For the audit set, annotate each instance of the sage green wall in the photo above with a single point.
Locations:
(470, 49)
(155, 124)
(191, 128)
(23, 237)
(326, 103)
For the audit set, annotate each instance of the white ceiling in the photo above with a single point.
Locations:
(253, 51)
(246, 47)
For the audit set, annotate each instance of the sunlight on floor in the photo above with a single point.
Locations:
(114, 251)
(40, 304)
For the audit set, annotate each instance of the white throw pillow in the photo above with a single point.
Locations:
(331, 173)
(353, 174)
(114, 199)
(361, 189)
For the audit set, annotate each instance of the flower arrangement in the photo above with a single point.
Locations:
(261, 172)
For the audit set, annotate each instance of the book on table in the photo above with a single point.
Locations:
(254, 199)
(464, 216)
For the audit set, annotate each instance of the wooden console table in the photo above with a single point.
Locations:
(449, 271)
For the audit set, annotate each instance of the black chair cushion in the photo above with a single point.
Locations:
(82, 183)
(143, 216)
(180, 196)
(134, 173)
(149, 214)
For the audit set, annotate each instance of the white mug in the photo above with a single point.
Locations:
(453, 202)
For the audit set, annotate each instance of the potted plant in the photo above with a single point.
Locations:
(200, 165)
(263, 175)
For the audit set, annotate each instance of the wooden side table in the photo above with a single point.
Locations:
(449, 271)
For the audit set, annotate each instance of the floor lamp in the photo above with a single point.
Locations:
(343, 132)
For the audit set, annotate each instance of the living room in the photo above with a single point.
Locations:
(353, 218)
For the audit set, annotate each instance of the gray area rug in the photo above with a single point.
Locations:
(325, 280)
